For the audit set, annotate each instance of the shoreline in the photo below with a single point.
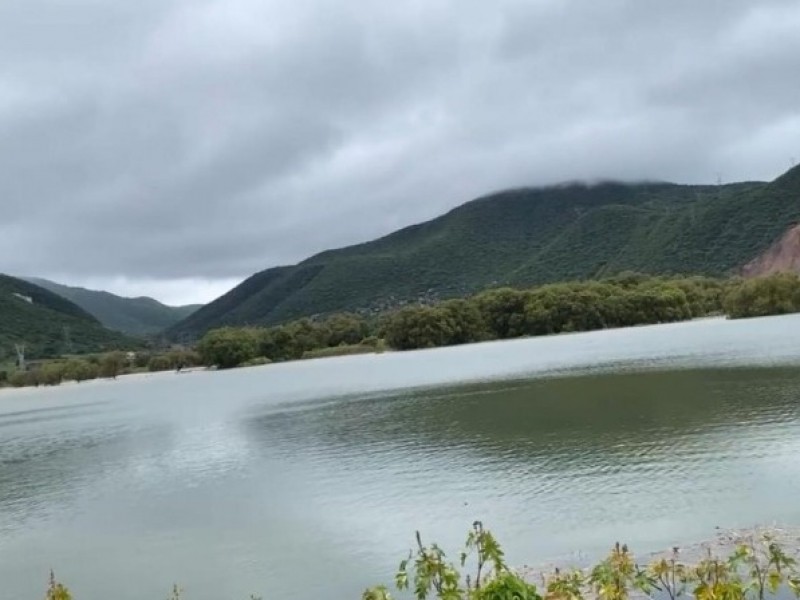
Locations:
(126, 377)
(186, 370)
(721, 545)
(648, 364)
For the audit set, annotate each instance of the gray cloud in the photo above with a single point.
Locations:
(179, 145)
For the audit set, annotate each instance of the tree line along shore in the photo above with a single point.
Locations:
(621, 301)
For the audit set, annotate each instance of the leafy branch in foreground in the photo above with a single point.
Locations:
(427, 572)
(668, 576)
(55, 590)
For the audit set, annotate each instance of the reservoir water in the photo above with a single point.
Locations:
(308, 479)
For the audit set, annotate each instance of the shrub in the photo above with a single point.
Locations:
(23, 379)
(141, 360)
(159, 362)
(112, 364)
(51, 373)
(180, 359)
(79, 370)
(371, 341)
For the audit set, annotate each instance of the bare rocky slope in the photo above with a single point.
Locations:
(781, 257)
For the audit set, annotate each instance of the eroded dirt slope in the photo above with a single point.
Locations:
(781, 257)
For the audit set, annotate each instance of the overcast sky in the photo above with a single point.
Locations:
(173, 147)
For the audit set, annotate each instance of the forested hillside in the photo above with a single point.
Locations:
(523, 237)
(135, 316)
(49, 325)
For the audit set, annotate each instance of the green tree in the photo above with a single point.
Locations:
(345, 328)
(228, 347)
(657, 304)
(306, 335)
(703, 294)
(278, 343)
(773, 295)
(553, 309)
(419, 327)
(465, 321)
(503, 311)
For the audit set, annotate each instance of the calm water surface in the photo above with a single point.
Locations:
(307, 480)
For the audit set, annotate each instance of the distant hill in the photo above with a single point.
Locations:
(523, 237)
(134, 316)
(48, 324)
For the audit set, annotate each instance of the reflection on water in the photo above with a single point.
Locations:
(259, 481)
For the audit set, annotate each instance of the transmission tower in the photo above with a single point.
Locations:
(20, 348)
(67, 340)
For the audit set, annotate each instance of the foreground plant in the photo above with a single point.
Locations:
(757, 568)
(668, 576)
(766, 563)
(56, 590)
(716, 579)
(565, 585)
(428, 573)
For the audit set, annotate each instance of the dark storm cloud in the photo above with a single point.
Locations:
(195, 140)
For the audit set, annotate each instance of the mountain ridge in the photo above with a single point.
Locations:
(48, 324)
(140, 315)
(522, 237)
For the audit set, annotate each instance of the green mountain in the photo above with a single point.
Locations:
(49, 325)
(134, 316)
(523, 237)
